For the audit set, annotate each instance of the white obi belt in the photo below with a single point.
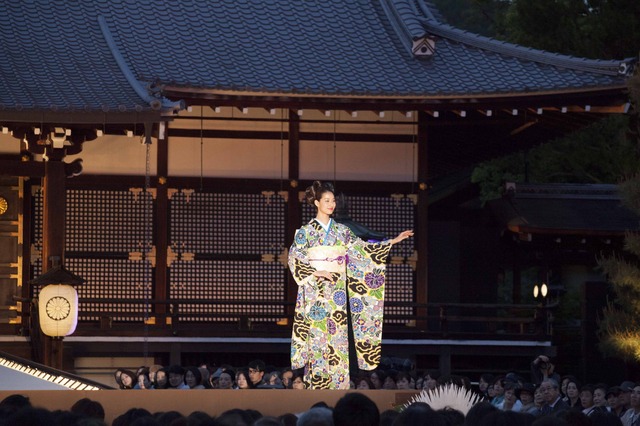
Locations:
(328, 258)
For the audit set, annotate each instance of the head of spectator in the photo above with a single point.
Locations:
(316, 416)
(242, 380)
(363, 382)
(550, 391)
(256, 371)
(205, 374)
(152, 372)
(403, 380)
(478, 412)
(573, 392)
(419, 414)
(391, 381)
(586, 396)
(625, 392)
(143, 381)
(634, 398)
(563, 383)
(498, 387)
(287, 375)
(431, 380)
(161, 379)
(193, 378)
(612, 397)
(88, 408)
(605, 418)
(225, 381)
(297, 382)
(176, 377)
(13, 403)
(600, 394)
(510, 397)
(377, 377)
(525, 393)
(483, 383)
(128, 379)
(356, 409)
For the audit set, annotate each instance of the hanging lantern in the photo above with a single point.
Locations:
(58, 301)
(58, 307)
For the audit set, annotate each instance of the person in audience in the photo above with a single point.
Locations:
(297, 382)
(483, 383)
(552, 398)
(498, 391)
(316, 416)
(225, 381)
(176, 377)
(586, 399)
(256, 370)
(431, 380)
(600, 396)
(511, 401)
(356, 409)
(161, 379)
(86, 407)
(403, 380)
(242, 380)
(526, 394)
(193, 378)
(377, 378)
(631, 417)
(572, 396)
(363, 382)
(128, 379)
(287, 375)
(391, 381)
(143, 381)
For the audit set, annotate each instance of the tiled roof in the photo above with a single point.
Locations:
(108, 54)
(566, 209)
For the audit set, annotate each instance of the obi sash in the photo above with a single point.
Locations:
(328, 258)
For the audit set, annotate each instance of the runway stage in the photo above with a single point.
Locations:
(270, 402)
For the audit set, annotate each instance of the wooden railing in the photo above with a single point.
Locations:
(442, 320)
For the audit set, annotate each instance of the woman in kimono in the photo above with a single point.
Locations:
(333, 267)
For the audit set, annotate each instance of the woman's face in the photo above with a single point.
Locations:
(526, 398)
(297, 383)
(510, 396)
(362, 384)
(402, 383)
(127, 381)
(161, 379)
(225, 382)
(572, 390)
(586, 399)
(241, 381)
(483, 385)
(538, 397)
(634, 398)
(498, 390)
(327, 203)
(490, 391)
(599, 397)
(375, 381)
(144, 382)
(389, 383)
(430, 383)
(190, 379)
(286, 378)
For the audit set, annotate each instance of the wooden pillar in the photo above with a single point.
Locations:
(54, 207)
(294, 214)
(161, 225)
(422, 222)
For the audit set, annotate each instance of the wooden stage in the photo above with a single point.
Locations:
(270, 402)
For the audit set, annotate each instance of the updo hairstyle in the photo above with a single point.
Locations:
(314, 192)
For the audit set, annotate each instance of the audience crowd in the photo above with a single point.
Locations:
(545, 398)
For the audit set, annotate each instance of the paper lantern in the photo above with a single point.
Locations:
(58, 308)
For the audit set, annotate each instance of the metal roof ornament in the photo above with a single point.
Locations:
(424, 47)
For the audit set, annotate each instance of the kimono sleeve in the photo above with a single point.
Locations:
(298, 258)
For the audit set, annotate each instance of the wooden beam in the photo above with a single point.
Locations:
(22, 168)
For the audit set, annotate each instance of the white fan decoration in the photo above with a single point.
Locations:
(448, 396)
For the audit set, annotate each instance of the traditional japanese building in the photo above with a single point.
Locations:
(159, 149)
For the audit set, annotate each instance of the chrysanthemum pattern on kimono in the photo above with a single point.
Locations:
(319, 341)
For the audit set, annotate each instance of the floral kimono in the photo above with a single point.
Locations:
(320, 330)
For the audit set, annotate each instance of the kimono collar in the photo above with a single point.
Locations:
(327, 226)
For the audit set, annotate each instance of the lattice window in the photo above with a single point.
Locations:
(107, 221)
(102, 229)
(228, 234)
(244, 287)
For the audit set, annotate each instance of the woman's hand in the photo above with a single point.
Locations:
(323, 274)
(402, 236)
